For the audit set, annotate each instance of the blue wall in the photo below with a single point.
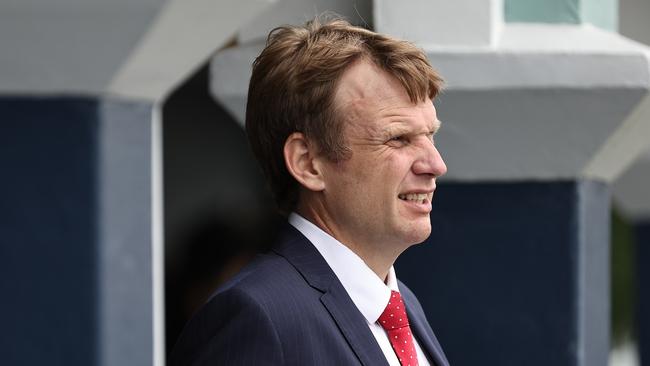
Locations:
(48, 231)
(502, 277)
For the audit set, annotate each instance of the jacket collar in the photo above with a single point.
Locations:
(298, 251)
(312, 266)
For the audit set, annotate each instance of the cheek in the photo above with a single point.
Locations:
(375, 177)
(392, 171)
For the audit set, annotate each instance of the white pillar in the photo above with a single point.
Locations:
(441, 22)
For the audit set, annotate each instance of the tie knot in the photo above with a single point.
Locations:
(394, 316)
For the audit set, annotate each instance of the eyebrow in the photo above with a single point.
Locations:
(400, 128)
(436, 125)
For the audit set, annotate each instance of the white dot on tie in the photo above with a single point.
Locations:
(402, 350)
(398, 307)
(391, 314)
(395, 337)
(404, 341)
(400, 320)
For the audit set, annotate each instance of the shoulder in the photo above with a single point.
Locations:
(265, 285)
(266, 273)
(248, 313)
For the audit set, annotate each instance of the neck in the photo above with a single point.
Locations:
(378, 260)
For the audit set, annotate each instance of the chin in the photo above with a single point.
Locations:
(418, 235)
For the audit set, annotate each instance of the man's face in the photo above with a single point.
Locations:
(381, 195)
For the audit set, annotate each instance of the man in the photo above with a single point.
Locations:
(342, 121)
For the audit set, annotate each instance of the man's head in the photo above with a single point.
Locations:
(293, 87)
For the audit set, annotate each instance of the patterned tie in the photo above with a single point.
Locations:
(396, 324)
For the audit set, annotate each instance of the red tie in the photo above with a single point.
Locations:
(396, 324)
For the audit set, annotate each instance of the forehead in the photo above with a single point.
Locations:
(364, 80)
(367, 95)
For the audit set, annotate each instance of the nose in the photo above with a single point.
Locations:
(429, 161)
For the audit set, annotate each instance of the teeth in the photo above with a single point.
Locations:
(418, 197)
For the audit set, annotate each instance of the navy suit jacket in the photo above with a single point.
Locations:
(289, 308)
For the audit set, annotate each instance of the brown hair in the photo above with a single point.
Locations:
(294, 81)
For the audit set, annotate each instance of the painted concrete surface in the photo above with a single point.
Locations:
(632, 189)
(181, 38)
(526, 56)
(299, 11)
(633, 21)
(518, 134)
(567, 56)
(126, 285)
(439, 22)
(627, 144)
(137, 49)
(79, 211)
(68, 46)
(593, 224)
(48, 231)
(230, 71)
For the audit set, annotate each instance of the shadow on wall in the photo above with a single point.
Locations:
(218, 212)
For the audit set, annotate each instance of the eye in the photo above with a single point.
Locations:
(400, 140)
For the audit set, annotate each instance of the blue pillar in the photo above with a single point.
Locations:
(516, 273)
(48, 230)
(75, 231)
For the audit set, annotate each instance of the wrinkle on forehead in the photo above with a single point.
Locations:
(360, 83)
(401, 125)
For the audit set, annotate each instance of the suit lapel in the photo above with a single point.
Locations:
(353, 326)
(312, 266)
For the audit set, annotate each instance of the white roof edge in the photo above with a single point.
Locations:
(184, 35)
(581, 57)
(572, 38)
(628, 143)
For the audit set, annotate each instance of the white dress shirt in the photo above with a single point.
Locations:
(368, 292)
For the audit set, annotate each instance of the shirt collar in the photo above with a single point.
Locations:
(368, 292)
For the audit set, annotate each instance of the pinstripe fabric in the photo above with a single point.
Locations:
(288, 308)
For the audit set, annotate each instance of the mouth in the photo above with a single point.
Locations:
(419, 198)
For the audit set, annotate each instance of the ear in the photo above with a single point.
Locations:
(301, 160)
